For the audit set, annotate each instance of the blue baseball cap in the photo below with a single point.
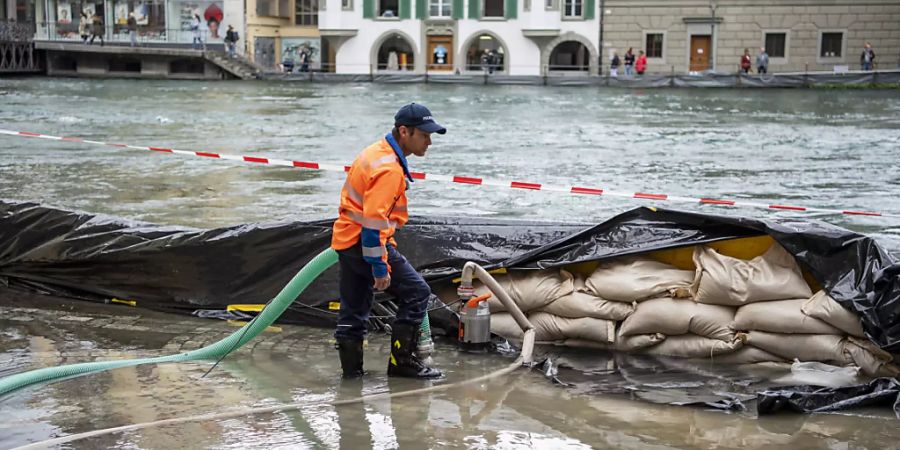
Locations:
(416, 115)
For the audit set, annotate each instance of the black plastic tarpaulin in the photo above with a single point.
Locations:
(178, 268)
(97, 257)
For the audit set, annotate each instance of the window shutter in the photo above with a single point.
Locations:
(368, 9)
(405, 6)
(510, 9)
(589, 9)
(474, 9)
(458, 7)
(422, 9)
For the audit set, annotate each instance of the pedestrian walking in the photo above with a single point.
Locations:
(762, 61)
(641, 64)
(373, 206)
(629, 63)
(304, 60)
(231, 38)
(867, 58)
(132, 29)
(614, 65)
(97, 29)
(84, 27)
(195, 29)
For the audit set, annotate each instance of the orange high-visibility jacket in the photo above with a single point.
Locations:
(373, 203)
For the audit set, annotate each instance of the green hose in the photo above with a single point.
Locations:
(266, 317)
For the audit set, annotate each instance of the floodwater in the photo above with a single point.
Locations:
(299, 365)
(817, 148)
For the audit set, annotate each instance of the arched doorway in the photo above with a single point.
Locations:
(396, 53)
(485, 53)
(570, 56)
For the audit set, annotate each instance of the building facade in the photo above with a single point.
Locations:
(158, 21)
(541, 37)
(280, 30)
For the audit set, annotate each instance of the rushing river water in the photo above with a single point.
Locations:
(834, 149)
(818, 148)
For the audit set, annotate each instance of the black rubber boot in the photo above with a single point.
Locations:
(403, 361)
(351, 353)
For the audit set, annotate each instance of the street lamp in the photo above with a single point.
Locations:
(712, 36)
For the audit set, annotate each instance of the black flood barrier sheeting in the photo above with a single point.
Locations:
(180, 269)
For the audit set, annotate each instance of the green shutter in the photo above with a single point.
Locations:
(421, 9)
(589, 9)
(458, 9)
(510, 9)
(405, 6)
(474, 9)
(368, 9)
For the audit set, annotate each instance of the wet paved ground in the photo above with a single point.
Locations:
(294, 364)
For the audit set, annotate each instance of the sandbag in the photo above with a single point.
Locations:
(805, 347)
(638, 341)
(821, 306)
(746, 355)
(673, 317)
(585, 304)
(780, 316)
(530, 290)
(872, 360)
(548, 327)
(692, 346)
(637, 279)
(504, 325)
(723, 280)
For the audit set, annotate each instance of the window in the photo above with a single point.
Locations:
(388, 8)
(307, 13)
(832, 44)
(776, 44)
(549, 4)
(572, 8)
(654, 45)
(440, 8)
(347, 5)
(493, 8)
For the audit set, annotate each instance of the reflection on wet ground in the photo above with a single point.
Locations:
(605, 406)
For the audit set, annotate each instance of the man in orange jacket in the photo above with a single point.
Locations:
(373, 207)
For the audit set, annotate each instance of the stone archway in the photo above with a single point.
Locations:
(465, 62)
(397, 42)
(565, 37)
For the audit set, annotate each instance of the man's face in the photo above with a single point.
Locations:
(414, 141)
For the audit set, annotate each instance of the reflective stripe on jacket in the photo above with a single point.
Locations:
(373, 203)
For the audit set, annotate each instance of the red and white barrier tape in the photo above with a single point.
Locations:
(466, 180)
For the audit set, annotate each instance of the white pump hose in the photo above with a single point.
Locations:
(469, 270)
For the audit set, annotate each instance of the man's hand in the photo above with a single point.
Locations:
(382, 283)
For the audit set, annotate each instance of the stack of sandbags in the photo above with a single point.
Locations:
(634, 279)
(777, 312)
(691, 330)
(530, 290)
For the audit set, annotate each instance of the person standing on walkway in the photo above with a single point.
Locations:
(231, 38)
(373, 206)
(867, 58)
(97, 29)
(84, 27)
(641, 64)
(614, 65)
(629, 63)
(132, 29)
(762, 61)
(197, 43)
(745, 61)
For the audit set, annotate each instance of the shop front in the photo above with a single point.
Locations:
(192, 22)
